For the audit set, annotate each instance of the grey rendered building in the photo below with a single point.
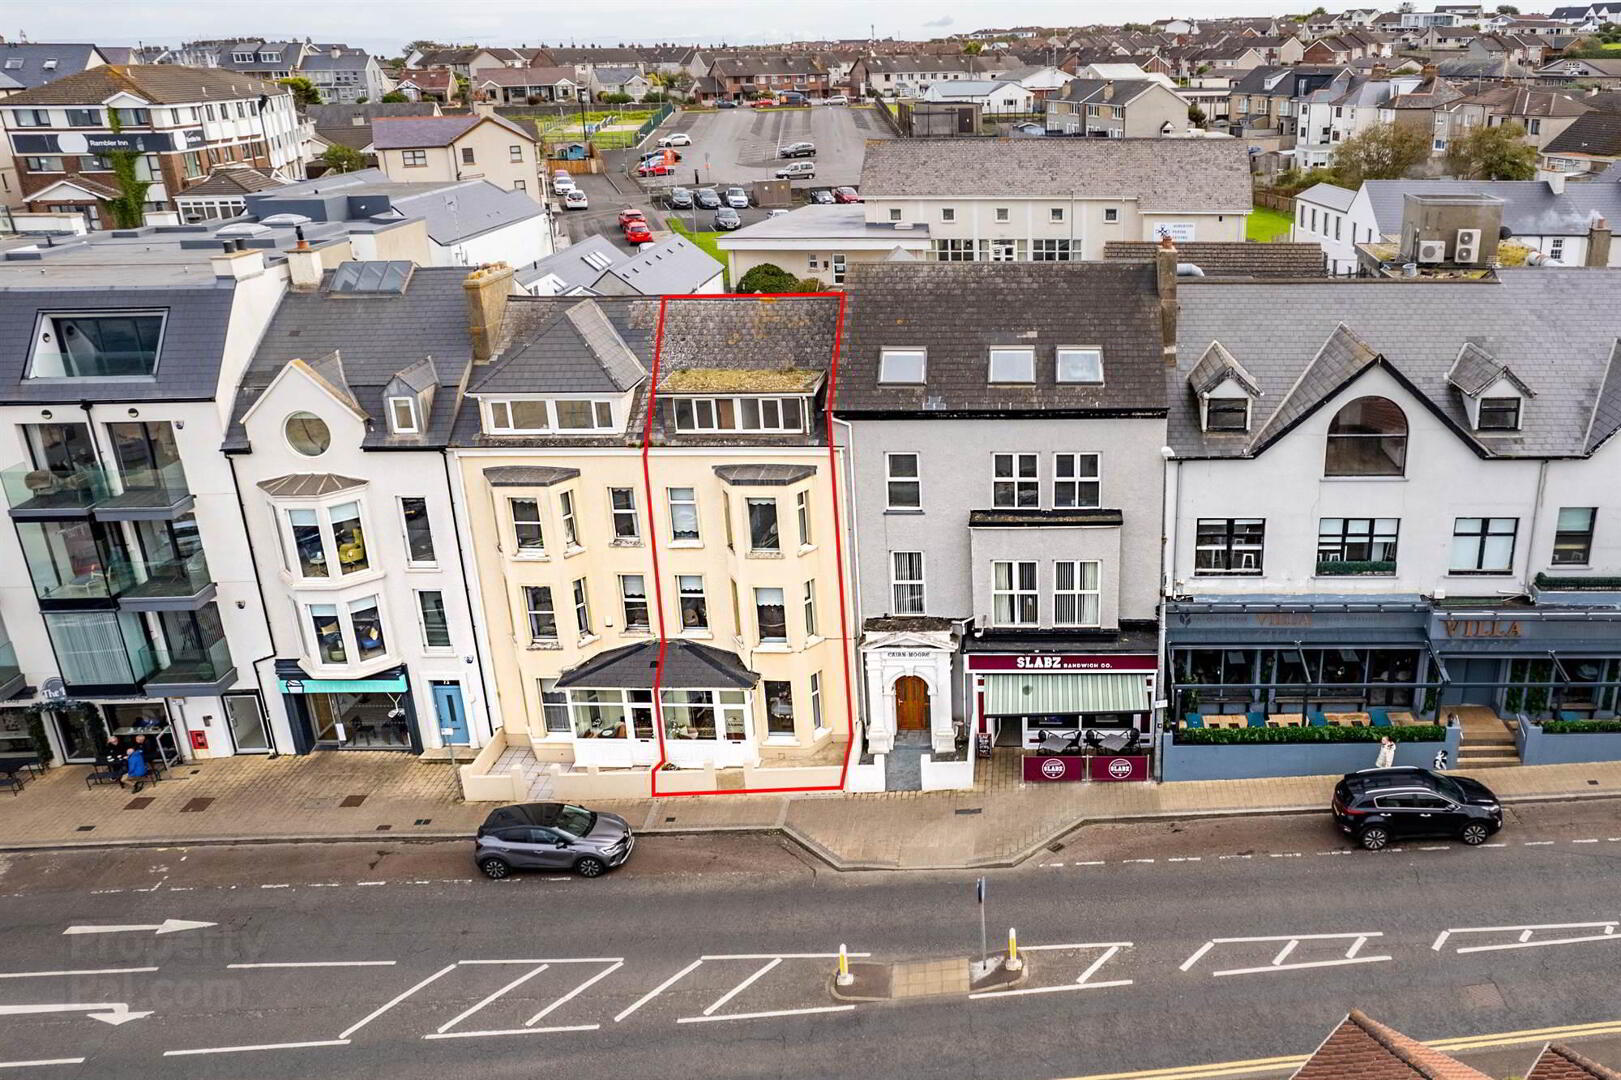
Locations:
(1005, 424)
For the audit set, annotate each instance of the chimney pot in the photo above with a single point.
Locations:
(487, 289)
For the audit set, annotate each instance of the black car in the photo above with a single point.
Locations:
(706, 198)
(551, 836)
(798, 149)
(820, 197)
(678, 198)
(1378, 806)
(725, 103)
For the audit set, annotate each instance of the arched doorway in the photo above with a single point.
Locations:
(911, 704)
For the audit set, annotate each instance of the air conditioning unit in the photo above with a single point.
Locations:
(1432, 251)
(1467, 248)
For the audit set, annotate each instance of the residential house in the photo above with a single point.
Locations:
(337, 444)
(1267, 98)
(185, 121)
(350, 125)
(422, 149)
(1347, 106)
(270, 60)
(991, 95)
(27, 64)
(735, 493)
(345, 76)
(1103, 108)
(1323, 217)
(1493, 490)
(821, 242)
(1442, 38)
(619, 80)
(519, 86)
(1228, 258)
(223, 194)
(428, 84)
(1526, 51)
(464, 60)
(1605, 73)
(1422, 106)
(1590, 144)
(1498, 69)
(1122, 73)
(597, 266)
(1544, 114)
(764, 75)
(1006, 488)
(1042, 80)
(906, 75)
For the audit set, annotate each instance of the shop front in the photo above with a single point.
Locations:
(1540, 662)
(76, 731)
(1028, 699)
(374, 713)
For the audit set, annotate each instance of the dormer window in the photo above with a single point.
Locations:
(748, 415)
(540, 416)
(96, 345)
(402, 415)
(242, 58)
(1227, 414)
(902, 366)
(1013, 366)
(1499, 414)
(1079, 365)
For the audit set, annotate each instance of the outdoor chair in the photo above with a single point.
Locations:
(12, 781)
(1316, 718)
(1193, 721)
(96, 777)
(1257, 720)
(1380, 717)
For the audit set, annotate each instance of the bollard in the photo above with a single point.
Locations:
(843, 978)
(1014, 962)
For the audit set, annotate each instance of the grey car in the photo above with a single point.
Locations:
(737, 198)
(551, 836)
(706, 198)
(727, 218)
(679, 198)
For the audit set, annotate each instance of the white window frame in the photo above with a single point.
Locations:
(1076, 480)
(802, 515)
(914, 599)
(410, 427)
(580, 594)
(808, 603)
(1076, 352)
(405, 532)
(1018, 354)
(627, 601)
(891, 479)
(569, 520)
(1111, 215)
(1016, 479)
(1015, 593)
(344, 611)
(818, 721)
(902, 355)
(619, 515)
(1055, 215)
(759, 627)
(329, 537)
(1077, 592)
(518, 549)
(498, 416)
(529, 593)
(683, 593)
(703, 414)
(697, 536)
(422, 620)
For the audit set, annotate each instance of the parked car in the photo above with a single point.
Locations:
(637, 232)
(1378, 806)
(706, 198)
(727, 218)
(836, 99)
(630, 214)
(725, 103)
(678, 198)
(551, 836)
(575, 199)
(799, 170)
(737, 198)
(797, 149)
(763, 103)
(679, 138)
(846, 195)
(562, 182)
(775, 213)
(792, 97)
(655, 167)
(820, 196)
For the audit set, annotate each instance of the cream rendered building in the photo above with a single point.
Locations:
(721, 542)
(438, 149)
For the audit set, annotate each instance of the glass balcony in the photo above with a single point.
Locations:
(104, 649)
(159, 585)
(188, 672)
(75, 560)
(68, 489)
(11, 673)
(149, 491)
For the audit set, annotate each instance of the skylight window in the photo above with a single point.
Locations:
(902, 365)
(1076, 365)
(597, 260)
(1013, 365)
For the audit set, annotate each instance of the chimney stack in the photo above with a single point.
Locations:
(1598, 242)
(1427, 73)
(238, 263)
(1556, 182)
(1165, 278)
(304, 265)
(487, 289)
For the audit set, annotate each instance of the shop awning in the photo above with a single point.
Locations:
(1079, 692)
(395, 685)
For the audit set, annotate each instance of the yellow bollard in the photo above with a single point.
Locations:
(1014, 963)
(843, 978)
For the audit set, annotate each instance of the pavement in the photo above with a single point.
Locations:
(354, 795)
(1220, 948)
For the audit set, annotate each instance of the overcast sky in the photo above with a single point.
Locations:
(384, 26)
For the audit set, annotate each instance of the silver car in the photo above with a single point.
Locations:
(551, 836)
(737, 198)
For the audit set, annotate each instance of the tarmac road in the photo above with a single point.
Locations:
(708, 956)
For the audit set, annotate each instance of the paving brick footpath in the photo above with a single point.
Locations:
(369, 796)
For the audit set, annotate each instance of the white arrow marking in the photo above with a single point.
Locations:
(167, 926)
(108, 1012)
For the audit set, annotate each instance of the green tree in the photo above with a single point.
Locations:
(128, 208)
(423, 45)
(464, 89)
(339, 158)
(1492, 153)
(1382, 152)
(768, 278)
(1507, 9)
(1196, 116)
(973, 48)
(393, 96)
(304, 91)
(811, 284)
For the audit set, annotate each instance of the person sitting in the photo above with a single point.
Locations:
(135, 768)
(110, 758)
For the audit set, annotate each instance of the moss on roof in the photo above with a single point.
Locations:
(742, 381)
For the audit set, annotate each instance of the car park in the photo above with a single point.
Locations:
(1378, 807)
(575, 199)
(679, 138)
(706, 199)
(630, 214)
(637, 232)
(799, 170)
(655, 167)
(820, 197)
(797, 149)
(678, 198)
(737, 198)
(846, 195)
(551, 836)
(727, 218)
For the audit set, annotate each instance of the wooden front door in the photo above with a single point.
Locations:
(911, 704)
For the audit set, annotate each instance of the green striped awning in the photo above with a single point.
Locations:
(394, 685)
(1078, 692)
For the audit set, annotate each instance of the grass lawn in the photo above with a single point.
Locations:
(705, 240)
(1267, 225)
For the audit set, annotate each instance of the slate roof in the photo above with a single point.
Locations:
(687, 666)
(578, 351)
(1330, 195)
(227, 180)
(347, 60)
(1163, 175)
(526, 76)
(453, 210)
(308, 485)
(672, 265)
(161, 84)
(1596, 133)
(763, 475)
(1417, 330)
(1526, 101)
(70, 59)
(378, 336)
(1562, 1063)
(1094, 91)
(1364, 1049)
(1239, 258)
(1495, 67)
(959, 311)
(571, 265)
(1475, 370)
(1217, 366)
(1530, 207)
(394, 133)
(527, 475)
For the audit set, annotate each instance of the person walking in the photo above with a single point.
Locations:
(135, 768)
(1387, 753)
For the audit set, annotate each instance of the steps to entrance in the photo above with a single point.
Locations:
(1486, 741)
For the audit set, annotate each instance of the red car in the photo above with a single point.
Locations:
(637, 232)
(846, 195)
(654, 168)
(764, 103)
(630, 214)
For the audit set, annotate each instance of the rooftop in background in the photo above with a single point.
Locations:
(28, 64)
(840, 221)
(394, 133)
(1530, 207)
(161, 84)
(1163, 175)
(454, 210)
(1231, 259)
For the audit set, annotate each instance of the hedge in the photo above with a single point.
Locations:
(1600, 584)
(1581, 727)
(1233, 736)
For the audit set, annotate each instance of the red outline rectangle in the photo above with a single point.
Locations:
(838, 544)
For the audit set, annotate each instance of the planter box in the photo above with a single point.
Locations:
(1540, 748)
(1253, 761)
(946, 775)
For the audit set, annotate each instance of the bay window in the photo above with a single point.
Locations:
(771, 616)
(699, 714)
(342, 631)
(763, 535)
(349, 537)
(779, 707)
(582, 608)
(526, 529)
(810, 609)
(633, 596)
(368, 627)
(322, 536)
(537, 601)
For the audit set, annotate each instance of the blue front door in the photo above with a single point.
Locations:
(447, 704)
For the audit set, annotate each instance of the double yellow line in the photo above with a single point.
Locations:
(1263, 1066)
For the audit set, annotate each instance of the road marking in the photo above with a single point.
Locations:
(657, 990)
(555, 960)
(1111, 948)
(317, 964)
(1290, 942)
(510, 1031)
(1094, 862)
(744, 985)
(82, 971)
(42, 1061)
(1539, 843)
(371, 883)
(1527, 938)
(108, 1012)
(762, 1015)
(513, 985)
(1436, 847)
(783, 956)
(1235, 856)
(275, 886)
(1593, 841)
(167, 926)
(447, 969)
(1494, 845)
(566, 998)
(250, 1049)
